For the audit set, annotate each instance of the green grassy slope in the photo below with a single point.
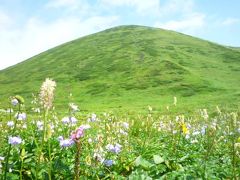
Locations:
(131, 67)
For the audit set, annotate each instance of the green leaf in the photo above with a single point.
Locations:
(142, 162)
(158, 159)
(20, 99)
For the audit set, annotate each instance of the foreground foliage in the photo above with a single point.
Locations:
(44, 144)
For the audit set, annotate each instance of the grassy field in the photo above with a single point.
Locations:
(162, 144)
(127, 68)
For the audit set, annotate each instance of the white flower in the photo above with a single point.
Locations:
(90, 140)
(24, 126)
(36, 110)
(174, 100)
(150, 108)
(205, 114)
(203, 130)
(73, 107)
(85, 126)
(123, 132)
(195, 133)
(2, 158)
(194, 141)
(47, 93)
(40, 125)
(125, 125)
(177, 118)
(99, 157)
(9, 110)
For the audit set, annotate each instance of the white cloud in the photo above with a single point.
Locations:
(180, 15)
(154, 7)
(61, 3)
(188, 24)
(5, 21)
(80, 8)
(230, 21)
(141, 6)
(37, 36)
(173, 7)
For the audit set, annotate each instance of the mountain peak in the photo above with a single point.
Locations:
(127, 62)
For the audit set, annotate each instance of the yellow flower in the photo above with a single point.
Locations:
(184, 128)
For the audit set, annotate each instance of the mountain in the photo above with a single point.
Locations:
(130, 67)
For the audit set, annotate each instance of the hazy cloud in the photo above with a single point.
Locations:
(37, 36)
(140, 6)
(230, 21)
(5, 21)
(187, 24)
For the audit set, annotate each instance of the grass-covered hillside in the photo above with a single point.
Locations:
(130, 67)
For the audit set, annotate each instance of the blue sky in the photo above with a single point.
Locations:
(28, 27)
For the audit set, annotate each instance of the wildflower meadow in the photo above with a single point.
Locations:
(43, 143)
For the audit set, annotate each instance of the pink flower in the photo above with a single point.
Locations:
(77, 134)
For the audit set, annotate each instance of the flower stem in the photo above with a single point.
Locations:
(77, 161)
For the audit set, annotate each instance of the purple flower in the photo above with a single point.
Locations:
(14, 102)
(93, 118)
(115, 149)
(21, 116)
(40, 125)
(60, 138)
(73, 120)
(67, 120)
(108, 162)
(14, 140)
(66, 142)
(10, 123)
(203, 130)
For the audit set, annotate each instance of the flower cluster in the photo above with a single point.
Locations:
(47, 93)
(114, 148)
(75, 136)
(69, 120)
(93, 118)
